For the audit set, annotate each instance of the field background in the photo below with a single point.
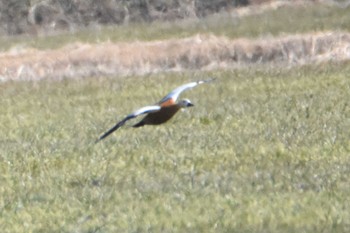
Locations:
(265, 149)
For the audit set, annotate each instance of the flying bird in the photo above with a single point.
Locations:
(161, 112)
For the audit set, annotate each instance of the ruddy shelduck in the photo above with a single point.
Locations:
(160, 113)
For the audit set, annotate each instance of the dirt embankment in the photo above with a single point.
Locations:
(201, 52)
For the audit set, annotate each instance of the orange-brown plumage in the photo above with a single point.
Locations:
(167, 102)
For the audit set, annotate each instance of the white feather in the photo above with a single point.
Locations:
(144, 110)
(176, 92)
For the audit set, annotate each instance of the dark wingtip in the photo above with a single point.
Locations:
(117, 126)
(100, 138)
(105, 135)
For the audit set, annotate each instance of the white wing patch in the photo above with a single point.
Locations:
(176, 92)
(144, 110)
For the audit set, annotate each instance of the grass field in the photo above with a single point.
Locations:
(265, 149)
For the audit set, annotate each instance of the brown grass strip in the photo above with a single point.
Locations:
(201, 52)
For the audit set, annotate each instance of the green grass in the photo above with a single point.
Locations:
(286, 20)
(264, 150)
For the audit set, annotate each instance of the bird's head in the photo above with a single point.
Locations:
(185, 103)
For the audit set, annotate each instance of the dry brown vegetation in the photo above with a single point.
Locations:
(200, 52)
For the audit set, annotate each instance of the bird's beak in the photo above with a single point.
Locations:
(190, 105)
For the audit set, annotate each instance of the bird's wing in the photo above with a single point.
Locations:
(141, 111)
(173, 95)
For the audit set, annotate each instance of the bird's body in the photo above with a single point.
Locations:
(159, 117)
(160, 113)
